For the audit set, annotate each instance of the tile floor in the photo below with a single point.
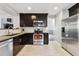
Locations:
(53, 49)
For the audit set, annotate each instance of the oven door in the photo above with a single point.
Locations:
(38, 39)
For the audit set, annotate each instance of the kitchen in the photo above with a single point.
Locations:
(33, 29)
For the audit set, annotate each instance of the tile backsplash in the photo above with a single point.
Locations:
(31, 29)
(5, 31)
(26, 29)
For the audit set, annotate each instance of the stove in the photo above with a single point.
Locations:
(38, 37)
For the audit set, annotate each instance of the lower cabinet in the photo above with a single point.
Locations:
(17, 44)
(27, 38)
(46, 38)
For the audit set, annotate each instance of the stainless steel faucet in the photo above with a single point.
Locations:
(9, 29)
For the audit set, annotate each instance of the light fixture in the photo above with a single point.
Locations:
(55, 8)
(29, 8)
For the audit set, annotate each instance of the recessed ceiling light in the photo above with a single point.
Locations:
(29, 8)
(55, 8)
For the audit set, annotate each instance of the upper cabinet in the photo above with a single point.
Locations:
(27, 20)
(74, 9)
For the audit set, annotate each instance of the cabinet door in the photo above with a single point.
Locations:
(22, 20)
(74, 10)
(42, 17)
(27, 38)
(46, 41)
(17, 44)
(27, 21)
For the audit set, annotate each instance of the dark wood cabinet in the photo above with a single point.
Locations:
(46, 38)
(27, 21)
(17, 44)
(74, 10)
(27, 38)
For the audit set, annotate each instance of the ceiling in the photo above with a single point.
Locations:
(51, 8)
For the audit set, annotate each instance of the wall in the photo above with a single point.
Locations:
(0, 23)
(51, 23)
(65, 13)
(58, 27)
(15, 19)
(51, 27)
(8, 11)
(3, 15)
(58, 24)
(31, 29)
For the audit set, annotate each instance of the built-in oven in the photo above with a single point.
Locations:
(9, 20)
(6, 22)
(6, 26)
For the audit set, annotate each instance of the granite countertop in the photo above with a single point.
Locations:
(7, 37)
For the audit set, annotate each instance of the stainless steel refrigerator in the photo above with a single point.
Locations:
(70, 34)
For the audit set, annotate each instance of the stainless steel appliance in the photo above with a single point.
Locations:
(38, 23)
(6, 48)
(70, 34)
(38, 37)
(6, 26)
(6, 22)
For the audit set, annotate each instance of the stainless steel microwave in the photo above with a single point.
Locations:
(38, 23)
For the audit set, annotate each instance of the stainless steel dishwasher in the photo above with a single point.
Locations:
(6, 48)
